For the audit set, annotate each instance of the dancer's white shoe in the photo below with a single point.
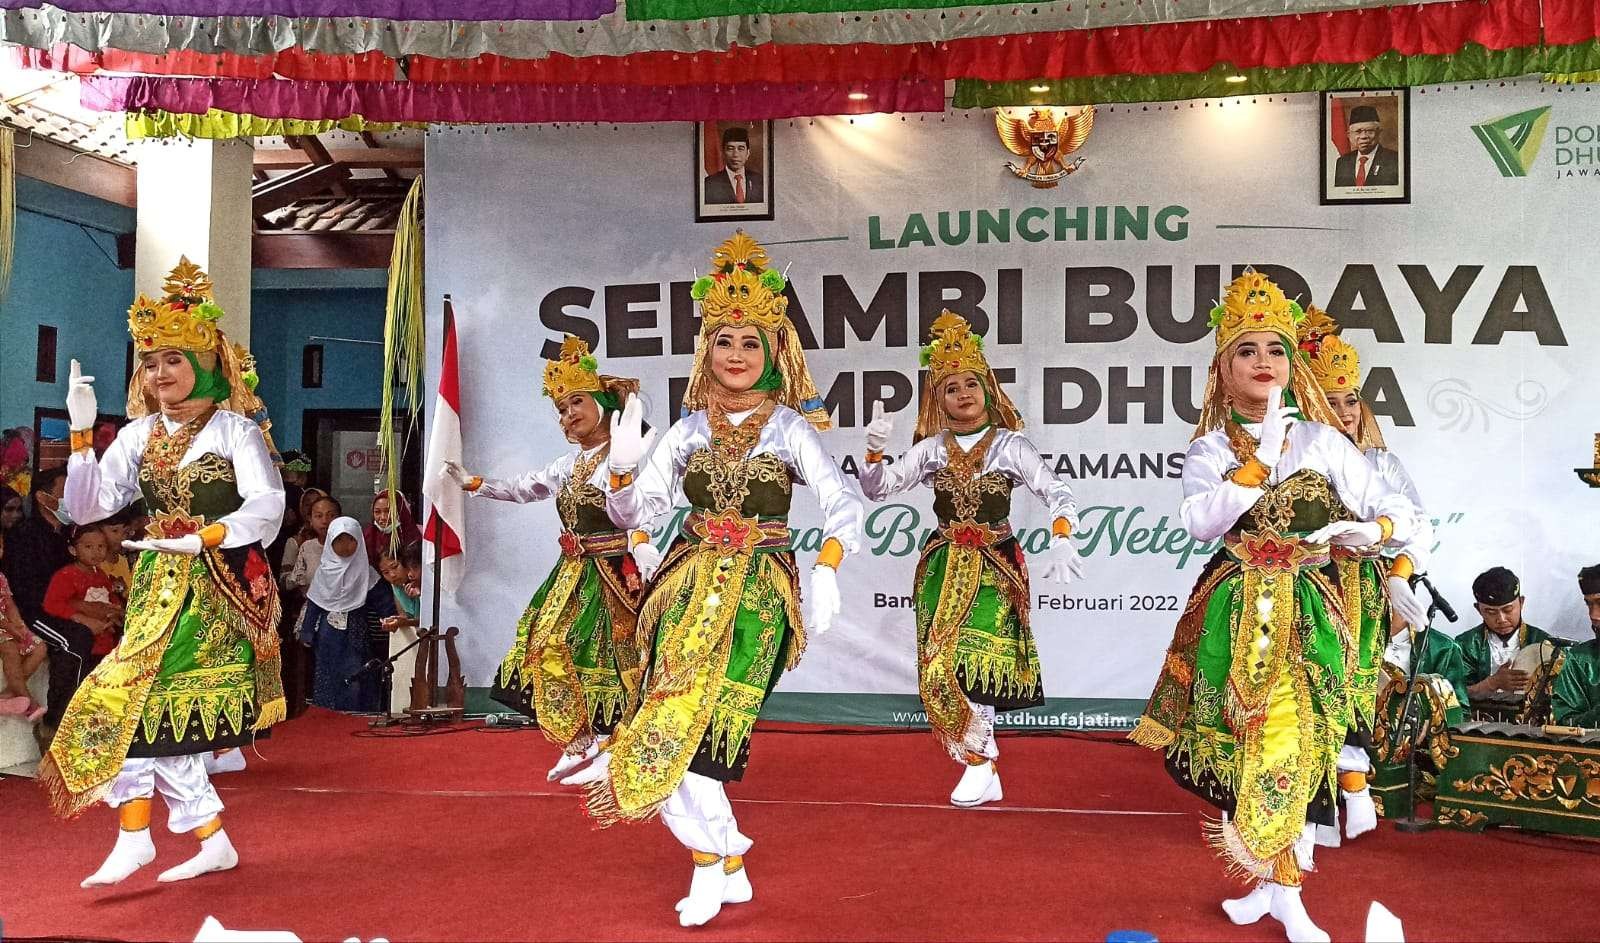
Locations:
(980, 784)
(705, 895)
(592, 773)
(132, 851)
(1250, 908)
(1289, 910)
(216, 854)
(571, 761)
(1360, 813)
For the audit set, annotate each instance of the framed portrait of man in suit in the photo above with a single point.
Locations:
(732, 170)
(1366, 146)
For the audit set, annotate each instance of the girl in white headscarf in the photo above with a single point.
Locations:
(343, 608)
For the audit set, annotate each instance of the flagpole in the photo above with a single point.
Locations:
(438, 558)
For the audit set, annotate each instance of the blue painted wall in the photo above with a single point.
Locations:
(284, 320)
(65, 275)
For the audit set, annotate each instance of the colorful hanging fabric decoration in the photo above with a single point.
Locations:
(386, 9)
(509, 104)
(613, 34)
(222, 125)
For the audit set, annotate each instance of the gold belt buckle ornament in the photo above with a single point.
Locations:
(1269, 550)
(729, 532)
(170, 525)
(971, 534)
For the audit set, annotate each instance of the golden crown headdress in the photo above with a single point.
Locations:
(953, 348)
(574, 370)
(185, 316)
(1253, 303)
(1336, 365)
(740, 288)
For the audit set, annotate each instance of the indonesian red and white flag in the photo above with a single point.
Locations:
(445, 532)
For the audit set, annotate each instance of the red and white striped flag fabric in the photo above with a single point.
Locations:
(445, 532)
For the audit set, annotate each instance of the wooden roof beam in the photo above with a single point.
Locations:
(355, 158)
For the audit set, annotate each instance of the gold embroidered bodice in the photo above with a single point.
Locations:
(580, 505)
(1299, 504)
(961, 494)
(205, 488)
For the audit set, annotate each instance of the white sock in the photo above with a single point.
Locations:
(705, 895)
(1360, 813)
(1289, 910)
(132, 851)
(1251, 907)
(216, 854)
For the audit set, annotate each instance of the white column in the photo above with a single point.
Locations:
(194, 200)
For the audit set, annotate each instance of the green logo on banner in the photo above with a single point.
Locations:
(1513, 141)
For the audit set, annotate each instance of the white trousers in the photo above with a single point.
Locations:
(700, 817)
(1353, 759)
(983, 719)
(182, 782)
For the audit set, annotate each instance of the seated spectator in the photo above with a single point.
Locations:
(1576, 699)
(21, 654)
(38, 546)
(81, 592)
(1491, 647)
(344, 604)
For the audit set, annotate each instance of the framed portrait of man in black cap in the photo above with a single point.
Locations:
(732, 170)
(1366, 146)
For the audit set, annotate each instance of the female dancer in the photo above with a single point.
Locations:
(197, 668)
(724, 611)
(1251, 706)
(975, 651)
(574, 666)
(1337, 369)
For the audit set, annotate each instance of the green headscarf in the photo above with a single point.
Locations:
(771, 380)
(208, 384)
(607, 401)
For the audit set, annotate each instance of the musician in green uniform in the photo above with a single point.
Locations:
(1491, 647)
(1439, 702)
(1576, 699)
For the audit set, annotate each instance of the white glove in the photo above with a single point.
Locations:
(457, 474)
(189, 545)
(646, 557)
(1275, 425)
(1348, 534)
(629, 443)
(878, 429)
(1063, 564)
(1405, 603)
(822, 603)
(81, 405)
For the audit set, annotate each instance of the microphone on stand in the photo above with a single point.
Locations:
(1438, 600)
(373, 664)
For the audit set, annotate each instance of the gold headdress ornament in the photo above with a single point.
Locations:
(186, 317)
(1254, 303)
(953, 348)
(575, 370)
(741, 290)
(1337, 368)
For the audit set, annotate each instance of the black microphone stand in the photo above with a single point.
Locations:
(1408, 727)
(386, 667)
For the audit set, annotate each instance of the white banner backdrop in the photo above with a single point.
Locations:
(1472, 308)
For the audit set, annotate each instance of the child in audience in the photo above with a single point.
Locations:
(21, 654)
(119, 527)
(403, 573)
(345, 602)
(81, 592)
(309, 553)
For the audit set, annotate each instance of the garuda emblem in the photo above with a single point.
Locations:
(1044, 143)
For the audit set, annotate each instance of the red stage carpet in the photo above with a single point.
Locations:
(456, 836)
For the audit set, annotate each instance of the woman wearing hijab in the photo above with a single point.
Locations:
(393, 525)
(343, 606)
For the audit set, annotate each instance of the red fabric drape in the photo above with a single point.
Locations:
(289, 63)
